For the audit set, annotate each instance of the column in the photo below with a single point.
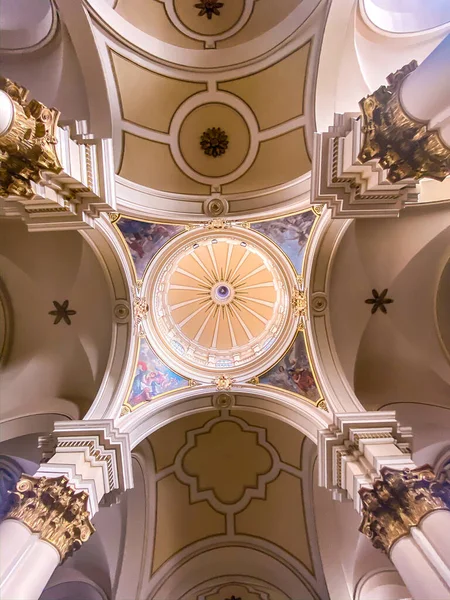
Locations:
(408, 146)
(368, 164)
(405, 509)
(406, 514)
(53, 177)
(425, 93)
(87, 462)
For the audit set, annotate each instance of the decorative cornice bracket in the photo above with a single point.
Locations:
(355, 447)
(94, 455)
(349, 188)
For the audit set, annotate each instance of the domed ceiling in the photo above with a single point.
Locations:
(219, 300)
(220, 303)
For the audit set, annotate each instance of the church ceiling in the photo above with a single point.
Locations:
(216, 306)
(164, 117)
(220, 479)
(203, 24)
(55, 338)
(205, 105)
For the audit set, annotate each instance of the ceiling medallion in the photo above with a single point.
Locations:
(223, 382)
(208, 8)
(62, 312)
(214, 142)
(379, 301)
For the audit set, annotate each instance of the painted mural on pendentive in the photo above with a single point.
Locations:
(293, 372)
(290, 233)
(152, 377)
(145, 239)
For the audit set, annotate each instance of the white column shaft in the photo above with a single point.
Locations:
(24, 576)
(6, 112)
(425, 93)
(417, 571)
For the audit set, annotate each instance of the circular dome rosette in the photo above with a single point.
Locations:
(220, 303)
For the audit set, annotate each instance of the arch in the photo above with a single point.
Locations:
(241, 561)
(323, 246)
(37, 422)
(82, 34)
(119, 272)
(298, 413)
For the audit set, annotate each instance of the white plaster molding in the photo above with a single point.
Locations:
(248, 557)
(139, 202)
(201, 99)
(116, 262)
(197, 495)
(217, 586)
(75, 197)
(272, 42)
(351, 189)
(95, 455)
(317, 269)
(299, 413)
(353, 449)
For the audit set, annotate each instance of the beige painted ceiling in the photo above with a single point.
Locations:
(164, 112)
(248, 288)
(222, 477)
(181, 25)
(62, 364)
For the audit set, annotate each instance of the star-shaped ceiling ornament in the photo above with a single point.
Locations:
(379, 301)
(208, 8)
(62, 312)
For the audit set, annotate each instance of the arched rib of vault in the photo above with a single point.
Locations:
(298, 413)
(82, 34)
(319, 263)
(109, 248)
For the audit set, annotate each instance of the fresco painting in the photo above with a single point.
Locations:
(145, 239)
(293, 372)
(152, 377)
(290, 233)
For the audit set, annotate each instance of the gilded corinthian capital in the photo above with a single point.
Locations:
(51, 508)
(399, 501)
(27, 147)
(405, 147)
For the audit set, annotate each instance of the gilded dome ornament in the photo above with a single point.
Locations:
(214, 142)
(208, 8)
